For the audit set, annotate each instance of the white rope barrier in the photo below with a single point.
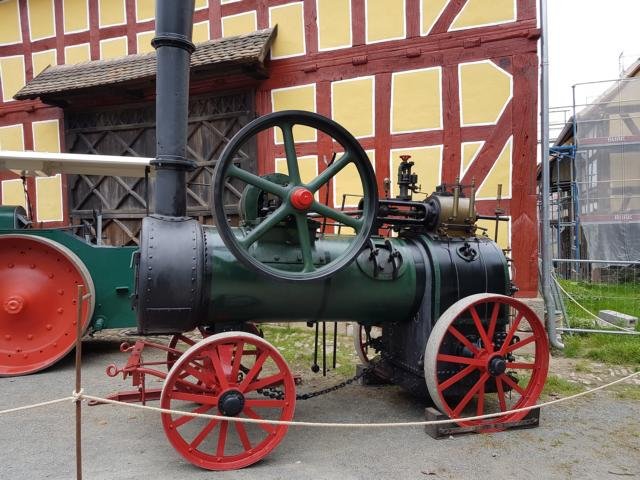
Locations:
(80, 395)
(598, 319)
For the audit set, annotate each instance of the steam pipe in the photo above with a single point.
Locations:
(546, 180)
(174, 25)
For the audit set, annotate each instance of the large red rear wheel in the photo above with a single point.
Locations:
(38, 296)
(487, 353)
(222, 375)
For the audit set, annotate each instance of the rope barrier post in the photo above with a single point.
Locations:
(79, 303)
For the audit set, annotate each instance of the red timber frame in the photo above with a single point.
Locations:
(512, 46)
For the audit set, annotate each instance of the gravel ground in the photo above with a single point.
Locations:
(595, 437)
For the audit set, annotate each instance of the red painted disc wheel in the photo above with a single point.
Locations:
(487, 353)
(222, 375)
(362, 344)
(38, 295)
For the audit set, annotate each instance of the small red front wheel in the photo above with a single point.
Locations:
(487, 353)
(236, 375)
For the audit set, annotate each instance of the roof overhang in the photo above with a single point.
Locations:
(39, 164)
(243, 54)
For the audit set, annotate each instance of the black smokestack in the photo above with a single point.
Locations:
(174, 25)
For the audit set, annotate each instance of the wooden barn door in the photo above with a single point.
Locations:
(130, 131)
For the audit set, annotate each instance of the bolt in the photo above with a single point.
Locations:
(60, 310)
(60, 292)
(48, 326)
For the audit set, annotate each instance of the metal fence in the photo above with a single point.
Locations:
(598, 294)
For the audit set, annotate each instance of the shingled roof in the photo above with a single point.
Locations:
(221, 56)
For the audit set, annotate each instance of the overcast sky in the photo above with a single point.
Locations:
(586, 37)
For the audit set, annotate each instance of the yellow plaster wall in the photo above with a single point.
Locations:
(76, 15)
(12, 76)
(49, 199)
(500, 173)
(42, 60)
(385, 20)
(308, 166)
(112, 12)
(485, 91)
(41, 19)
(201, 32)
(12, 138)
(290, 40)
(470, 151)
(10, 31)
(143, 39)
(430, 12)
(113, 48)
(353, 105)
(145, 10)
(296, 98)
(504, 231)
(46, 136)
(477, 13)
(428, 166)
(416, 100)
(201, 4)
(334, 24)
(239, 24)
(13, 193)
(77, 54)
(347, 181)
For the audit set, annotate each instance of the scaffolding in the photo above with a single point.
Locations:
(595, 174)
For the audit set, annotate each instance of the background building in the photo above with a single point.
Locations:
(451, 82)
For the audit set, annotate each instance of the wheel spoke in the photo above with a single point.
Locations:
(480, 405)
(249, 412)
(218, 368)
(526, 366)
(222, 438)
(242, 434)
(333, 169)
(457, 359)
(237, 360)
(290, 152)
(501, 399)
(264, 403)
(467, 398)
(253, 372)
(456, 378)
(258, 232)
(305, 243)
(187, 418)
(256, 181)
(507, 379)
(521, 344)
(265, 382)
(512, 332)
(483, 334)
(329, 212)
(493, 321)
(465, 341)
(203, 434)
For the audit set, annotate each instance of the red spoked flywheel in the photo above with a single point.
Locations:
(38, 302)
(487, 353)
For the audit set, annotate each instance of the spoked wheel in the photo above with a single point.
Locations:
(297, 205)
(487, 353)
(363, 343)
(38, 302)
(209, 378)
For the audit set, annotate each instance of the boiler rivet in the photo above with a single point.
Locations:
(48, 326)
(7, 337)
(29, 337)
(60, 310)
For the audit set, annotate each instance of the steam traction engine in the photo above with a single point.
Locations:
(433, 300)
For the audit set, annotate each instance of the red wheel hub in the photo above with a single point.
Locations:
(38, 290)
(301, 199)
